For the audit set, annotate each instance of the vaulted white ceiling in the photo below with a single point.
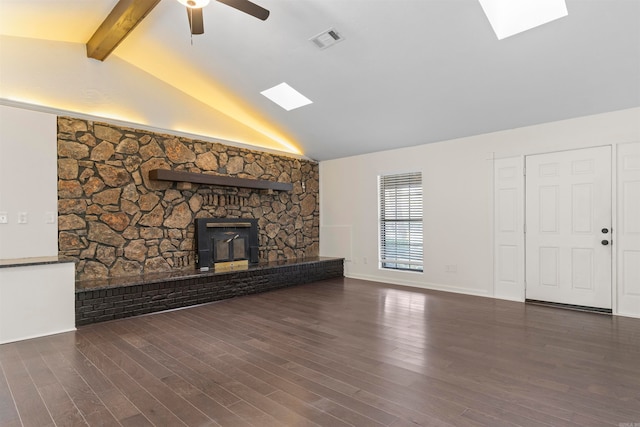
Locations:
(408, 72)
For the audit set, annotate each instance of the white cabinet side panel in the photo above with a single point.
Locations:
(36, 301)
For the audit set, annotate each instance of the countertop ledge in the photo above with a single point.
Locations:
(25, 262)
(189, 273)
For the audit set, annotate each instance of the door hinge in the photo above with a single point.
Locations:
(525, 228)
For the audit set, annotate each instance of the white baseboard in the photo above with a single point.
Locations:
(422, 285)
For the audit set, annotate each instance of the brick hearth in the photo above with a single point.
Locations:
(108, 299)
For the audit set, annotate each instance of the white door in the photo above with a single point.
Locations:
(568, 227)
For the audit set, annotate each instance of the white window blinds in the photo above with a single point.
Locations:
(401, 221)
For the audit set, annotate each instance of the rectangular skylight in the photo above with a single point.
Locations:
(509, 17)
(286, 97)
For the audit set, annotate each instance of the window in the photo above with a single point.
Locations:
(401, 221)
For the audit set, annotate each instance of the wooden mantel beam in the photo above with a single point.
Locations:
(222, 180)
(124, 17)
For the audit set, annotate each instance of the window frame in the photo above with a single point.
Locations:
(400, 217)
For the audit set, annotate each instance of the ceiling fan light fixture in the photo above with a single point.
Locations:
(194, 4)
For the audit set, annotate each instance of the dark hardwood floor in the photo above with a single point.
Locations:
(333, 353)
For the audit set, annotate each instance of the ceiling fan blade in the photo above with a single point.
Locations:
(247, 7)
(196, 23)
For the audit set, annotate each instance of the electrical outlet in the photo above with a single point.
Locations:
(451, 268)
(23, 217)
(49, 218)
(4, 218)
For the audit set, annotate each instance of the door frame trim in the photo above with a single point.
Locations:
(520, 161)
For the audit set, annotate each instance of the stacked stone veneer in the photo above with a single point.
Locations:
(114, 221)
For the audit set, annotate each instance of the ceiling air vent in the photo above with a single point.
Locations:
(326, 38)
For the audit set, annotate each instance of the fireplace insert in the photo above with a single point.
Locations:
(222, 240)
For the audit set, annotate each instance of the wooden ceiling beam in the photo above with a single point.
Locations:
(124, 17)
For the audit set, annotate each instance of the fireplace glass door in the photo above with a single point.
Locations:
(230, 246)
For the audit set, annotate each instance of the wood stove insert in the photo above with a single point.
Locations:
(225, 242)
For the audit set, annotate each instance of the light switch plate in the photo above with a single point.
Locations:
(4, 218)
(49, 217)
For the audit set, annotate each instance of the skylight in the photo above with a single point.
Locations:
(509, 17)
(286, 97)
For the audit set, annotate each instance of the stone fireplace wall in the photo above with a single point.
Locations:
(114, 221)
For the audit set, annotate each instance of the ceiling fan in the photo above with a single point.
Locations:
(126, 14)
(194, 11)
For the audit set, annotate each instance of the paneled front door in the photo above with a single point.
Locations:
(568, 227)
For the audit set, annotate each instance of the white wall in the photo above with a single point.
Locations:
(458, 198)
(28, 183)
(35, 300)
(59, 76)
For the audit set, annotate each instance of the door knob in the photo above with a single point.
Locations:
(605, 242)
(605, 230)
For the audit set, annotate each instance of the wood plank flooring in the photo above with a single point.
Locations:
(341, 352)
